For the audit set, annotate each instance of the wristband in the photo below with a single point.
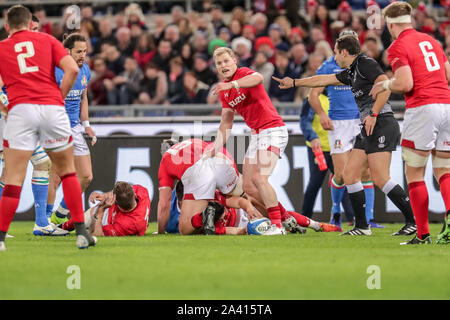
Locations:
(86, 123)
(372, 114)
(235, 84)
(387, 83)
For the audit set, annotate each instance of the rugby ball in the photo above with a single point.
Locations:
(258, 226)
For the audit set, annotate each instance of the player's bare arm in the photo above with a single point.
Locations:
(165, 195)
(250, 81)
(381, 99)
(314, 101)
(96, 228)
(84, 117)
(3, 109)
(242, 203)
(447, 71)
(400, 83)
(322, 80)
(70, 68)
(224, 131)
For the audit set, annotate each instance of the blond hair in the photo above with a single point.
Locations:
(397, 9)
(222, 50)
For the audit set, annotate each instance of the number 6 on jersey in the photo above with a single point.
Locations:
(22, 56)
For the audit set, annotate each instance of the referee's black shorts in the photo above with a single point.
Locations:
(385, 135)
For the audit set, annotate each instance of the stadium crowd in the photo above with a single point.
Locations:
(168, 61)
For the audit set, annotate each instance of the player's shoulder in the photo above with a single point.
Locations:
(243, 71)
(140, 191)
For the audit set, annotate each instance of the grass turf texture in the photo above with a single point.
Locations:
(310, 266)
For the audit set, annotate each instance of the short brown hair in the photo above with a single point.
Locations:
(397, 9)
(349, 43)
(125, 196)
(18, 16)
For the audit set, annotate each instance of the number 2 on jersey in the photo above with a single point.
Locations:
(431, 60)
(29, 52)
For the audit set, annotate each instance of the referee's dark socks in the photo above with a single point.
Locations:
(358, 200)
(400, 198)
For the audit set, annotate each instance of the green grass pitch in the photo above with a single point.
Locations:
(310, 266)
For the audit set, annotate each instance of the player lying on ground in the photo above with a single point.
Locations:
(123, 211)
(378, 138)
(422, 72)
(232, 212)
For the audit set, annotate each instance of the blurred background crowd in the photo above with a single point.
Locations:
(160, 53)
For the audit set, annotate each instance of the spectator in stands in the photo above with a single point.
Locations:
(153, 87)
(314, 62)
(157, 31)
(248, 31)
(276, 35)
(260, 23)
(420, 14)
(172, 34)
(106, 35)
(163, 55)
(120, 21)
(216, 14)
(185, 29)
(114, 58)
(262, 65)
(214, 44)
(135, 16)
(87, 14)
(145, 50)
(295, 36)
(97, 89)
(124, 43)
(202, 70)
(175, 82)
(243, 49)
(57, 31)
(284, 24)
(282, 69)
(299, 58)
(176, 13)
(322, 18)
(187, 55)
(124, 88)
(316, 35)
(204, 25)
(359, 26)
(311, 7)
(87, 30)
(373, 48)
(195, 91)
(323, 47)
(239, 13)
(225, 35)
(200, 42)
(235, 28)
(44, 24)
(344, 13)
(266, 45)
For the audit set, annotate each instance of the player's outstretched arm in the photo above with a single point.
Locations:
(322, 80)
(165, 195)
(70, 68)
(250, 81)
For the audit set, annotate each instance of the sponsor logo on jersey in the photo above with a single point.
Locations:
(237, 100)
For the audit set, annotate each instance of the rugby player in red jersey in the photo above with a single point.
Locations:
(422, 73)
(201, 177)
(242, 91)
(123, 211)
(36, 113)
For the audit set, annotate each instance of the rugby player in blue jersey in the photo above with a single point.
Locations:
(343, 124)
(77, 109)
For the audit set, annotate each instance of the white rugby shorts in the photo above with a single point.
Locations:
(29, 124)
(342, 137)
(427, 127)
(201, 180)
(80, 147)
(272, 139)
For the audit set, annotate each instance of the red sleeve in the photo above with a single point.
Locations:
(58, 50)
(123, 227)
(397, 56)
(165, 180)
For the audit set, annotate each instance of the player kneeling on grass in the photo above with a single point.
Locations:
(124, 211)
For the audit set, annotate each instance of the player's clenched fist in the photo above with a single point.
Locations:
(285, 83)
